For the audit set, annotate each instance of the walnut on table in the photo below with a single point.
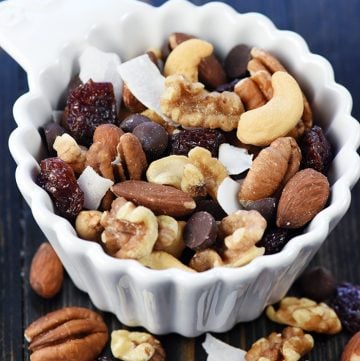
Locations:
(135, 346)
(306, 314)
(290, 345)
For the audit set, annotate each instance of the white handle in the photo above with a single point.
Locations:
(33, 32)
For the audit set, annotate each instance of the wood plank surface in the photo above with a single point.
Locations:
(332, 29)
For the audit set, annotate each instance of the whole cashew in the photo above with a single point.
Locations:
(277, 117)
(186, 57)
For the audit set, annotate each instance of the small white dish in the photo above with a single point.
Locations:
(165, 301)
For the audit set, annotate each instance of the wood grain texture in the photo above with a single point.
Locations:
(332, 29)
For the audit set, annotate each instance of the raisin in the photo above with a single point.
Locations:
(347, 306)
(58, 179)
(105, 358)
(227, 86)
(184, 141)
(88, 106)
(274, 240)
(316, 150)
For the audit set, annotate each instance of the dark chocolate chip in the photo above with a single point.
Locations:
(266, 207)
(317, 283)
(50, 131)
(132, 121)
(200, 231)
(153, 138)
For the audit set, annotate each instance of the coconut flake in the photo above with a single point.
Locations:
(220, 351)
(236, 160)
(227, 195)
(94, 187)
(101, 67)
(145, 81)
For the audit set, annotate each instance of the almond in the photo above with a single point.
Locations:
(46, 272)
(159, 198)
(211, 72)
(303, 197)
(352, 349)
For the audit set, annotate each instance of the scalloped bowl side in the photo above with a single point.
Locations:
(170, 301)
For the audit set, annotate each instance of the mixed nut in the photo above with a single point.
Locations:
(143, 180)
(80, 334)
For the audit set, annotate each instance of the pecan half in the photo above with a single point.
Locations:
(71, 333)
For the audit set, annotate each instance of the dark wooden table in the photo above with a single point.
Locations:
(332, 29)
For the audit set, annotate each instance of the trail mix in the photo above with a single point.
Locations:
(181, 159)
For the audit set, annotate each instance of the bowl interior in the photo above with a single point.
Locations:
(330, 102)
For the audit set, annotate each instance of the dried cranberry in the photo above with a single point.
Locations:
(274, 240)
(316, 150)
(74, 83)
(184, 141)
(58, 179)
(88, 106)
(347, 306)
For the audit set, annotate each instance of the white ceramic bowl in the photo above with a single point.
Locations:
(170, 300)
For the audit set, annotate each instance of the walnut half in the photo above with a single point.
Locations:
(136, 346)
(129, 231)
(189, 104)
(290, 345)
(307, 314)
